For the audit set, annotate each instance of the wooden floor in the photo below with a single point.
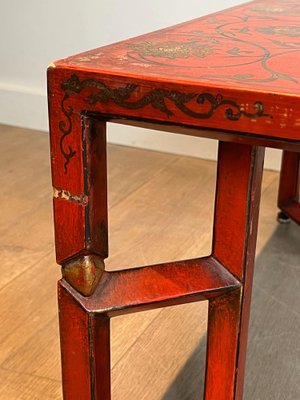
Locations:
(160, 210)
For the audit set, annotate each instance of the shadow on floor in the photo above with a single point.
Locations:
(273, 364)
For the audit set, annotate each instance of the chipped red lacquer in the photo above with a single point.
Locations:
(231, 76)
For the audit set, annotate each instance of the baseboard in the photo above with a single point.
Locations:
(27, 108)
(24, 107)
(162, 141)
(177, 144)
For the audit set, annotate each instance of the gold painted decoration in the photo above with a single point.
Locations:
(172, 49)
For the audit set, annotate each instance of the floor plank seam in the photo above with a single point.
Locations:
(143, 185)
(14, 353)
(136, 340)
(32, 375)
(26, 270)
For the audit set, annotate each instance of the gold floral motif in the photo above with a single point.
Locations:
(275, 10)
(172, 50)
(292, 30)
(87, 58)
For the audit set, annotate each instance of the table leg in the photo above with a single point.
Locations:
(239, 178)
(80, 217)
(85, 351)
(80, 204)
(85, 339)
(288, 194)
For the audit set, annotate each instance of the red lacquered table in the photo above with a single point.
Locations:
(232, 76)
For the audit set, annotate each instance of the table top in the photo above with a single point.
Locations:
(237, 69)
(253, 46)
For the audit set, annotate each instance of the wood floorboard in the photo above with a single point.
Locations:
(27, 387)
(157, 355)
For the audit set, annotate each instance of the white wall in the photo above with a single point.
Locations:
(35, 32)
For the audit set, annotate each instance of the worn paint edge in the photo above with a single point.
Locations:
(81, 199)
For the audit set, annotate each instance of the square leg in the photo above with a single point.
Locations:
(85, 350)
(240, 169)
(288, 194)
(80, 203)
(224, 278)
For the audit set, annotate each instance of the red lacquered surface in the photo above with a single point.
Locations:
(80, 198)
(240, 170)
(236, 69)
(85, 351)
(156, 286)
(255, 45)
(75, 344)
(232, 76)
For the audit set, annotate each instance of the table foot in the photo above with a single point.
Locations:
(283, 219)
